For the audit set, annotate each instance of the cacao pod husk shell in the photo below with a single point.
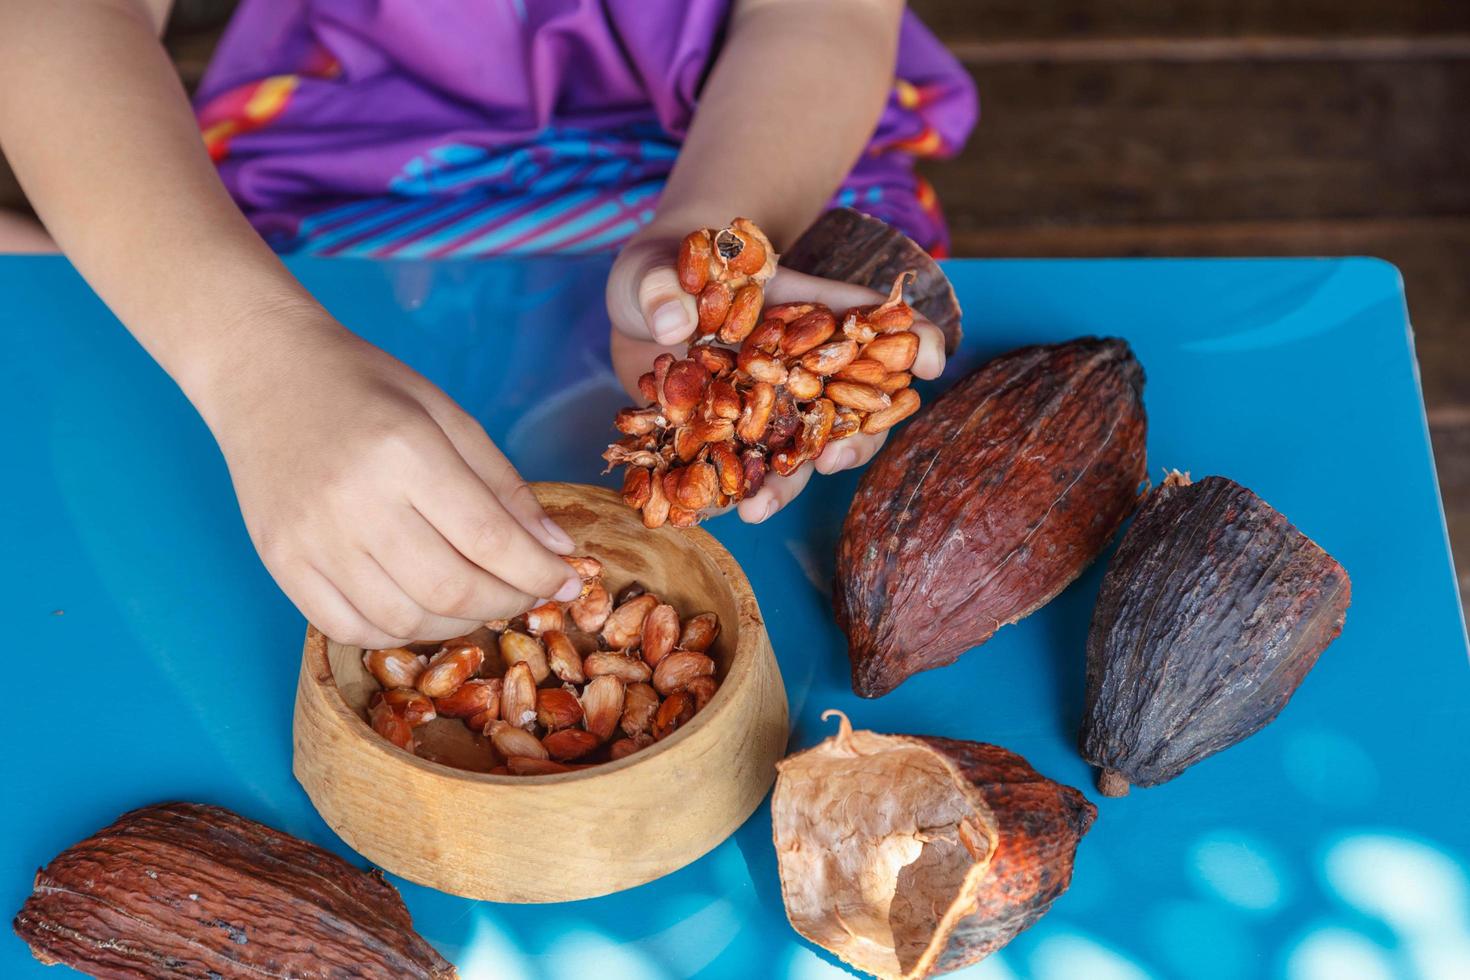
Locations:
(1212, 611)
(987, 505)
(907, 856)
(850, 246)
(187, 890)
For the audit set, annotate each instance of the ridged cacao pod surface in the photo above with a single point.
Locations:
(1212, 611)
(907, 856)
(187, 890)
(987, 505)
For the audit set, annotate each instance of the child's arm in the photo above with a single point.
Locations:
(793, 98)
(380, 507)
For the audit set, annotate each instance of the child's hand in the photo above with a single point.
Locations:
(379, 506)
(650, 314)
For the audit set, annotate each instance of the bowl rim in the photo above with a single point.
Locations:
(752, 635)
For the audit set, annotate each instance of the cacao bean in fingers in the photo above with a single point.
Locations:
(656, 508)
(807, 332)
(518, 698)
(745, 311)
(511, 741)
(753, 462)
(816, 428)
(637, 421)
(895, 382)
(517, 647)
(904, 404)
(785, 422)
(745, 249)
(895, 351)
(785, 462)
(675, 671)
(625, 668)
(389, 722)
(547, 616)
(556, 708)
(864, 370)
(702, 689)
(617, 455)
(855, 326)
(693, 262)
(449, 668)
(788, 312)
(766, 337)
(698, 484)
(713, 307)
(726, 460)
(682, 516)
(831, 357)
(585, 566)
(590, 611)
(864, 398)
(803, 384)
(648, 386)
(604, 704)
(722, 401)
(687, 446)
(660, 633)
(712, 430)
(676, 709)
(718, 361)
(570, 743)
(473, 697)
(682, 390)
(562, 656)
(847, 423)
(394, 667)
(624, 628)
(756, 414)
(699, 632)
(761, 366)
(640, 703)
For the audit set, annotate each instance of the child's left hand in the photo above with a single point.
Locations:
(651, 314)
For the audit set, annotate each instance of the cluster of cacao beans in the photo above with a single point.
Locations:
(764, 389)
(561, 687)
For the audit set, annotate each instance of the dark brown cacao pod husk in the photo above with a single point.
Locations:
(987, 505)
(1211, 612)
(907, 856)
(187, 890)
(850, 246)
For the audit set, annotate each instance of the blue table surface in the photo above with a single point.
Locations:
(152, 658)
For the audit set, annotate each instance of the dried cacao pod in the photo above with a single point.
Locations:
(987, 505)
(187, 890)
(1211, 612)
(907, 856)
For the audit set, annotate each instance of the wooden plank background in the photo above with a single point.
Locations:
(1232, 127)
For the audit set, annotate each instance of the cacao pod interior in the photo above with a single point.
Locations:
(882, 845)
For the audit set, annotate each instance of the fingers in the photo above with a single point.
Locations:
(644, 298)
(329, 611)
(492, 467)
(929, 364)
(775, 493)
(850, 452)
(438, 578)
(386, 607)
(470, 517)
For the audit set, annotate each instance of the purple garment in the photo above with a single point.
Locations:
(435, 127)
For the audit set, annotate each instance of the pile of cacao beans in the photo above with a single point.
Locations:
(764, 389)
(561, 687)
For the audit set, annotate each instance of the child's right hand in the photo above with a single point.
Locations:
(381, 509)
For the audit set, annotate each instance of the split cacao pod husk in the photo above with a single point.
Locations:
(188, 890)
(907, 856)
(850, 246)
(987, 505)
(1212, 611)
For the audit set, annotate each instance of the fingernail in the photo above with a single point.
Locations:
(669, 322)
(771, 507)
(570, 591)
(559, 539)
(843, 460)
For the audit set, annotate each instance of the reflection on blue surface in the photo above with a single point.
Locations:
(1332, 844)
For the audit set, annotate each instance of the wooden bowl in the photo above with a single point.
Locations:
(573, 835)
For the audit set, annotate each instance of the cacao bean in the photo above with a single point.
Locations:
(517, 647)
(562, 656)
(547, 616)
(624, 628)
(449, 668)
(863, 398)
(675, 671)
(702, 689)
(414, 707)
(604, 702)
(807, 331)
(903, 404)
(638, 421)
(969, 520)
(569, 744)
(745, 310)
(656, 508)
(803, 384)
(590, 611)
(1212, 611)
(556, 708)
(864, 371)
(660, 633)
(718, 361)
(699, 632)
(511, 741)
(693, 262)
(713, 306)
(640, 704)
(895, 351)
(635, 487)
(831, 357)
(390, 723)
(517, 765)
(518, 699)
(756, 415)
(675, 710)
(394, 667)
(473, 697)
(625, 668)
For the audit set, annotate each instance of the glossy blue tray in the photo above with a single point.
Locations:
(151, 657)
